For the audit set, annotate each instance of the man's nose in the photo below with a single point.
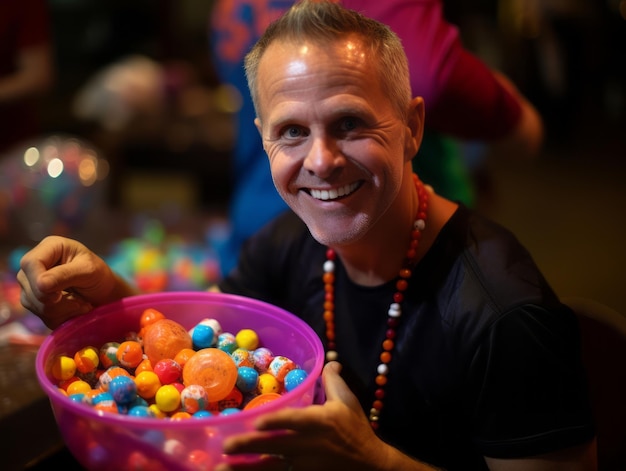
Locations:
(323, 157)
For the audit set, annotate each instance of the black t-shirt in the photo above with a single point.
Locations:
(486, 361)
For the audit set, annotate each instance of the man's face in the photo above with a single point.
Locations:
(336, 146)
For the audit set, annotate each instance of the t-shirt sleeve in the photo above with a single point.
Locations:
(527, 386)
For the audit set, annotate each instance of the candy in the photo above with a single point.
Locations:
(148, 384)
(108, 354)
(168, 370)
(109, 374)
(87, 359)
(79, 386)
(202, 336)
(247, 379)
(214, 370)
(123, 389)
(227, 342)
(164, 339)
(167, 398)
(262, 357)
(194, 398)
(129, 354)
(63, 367)
(247, 338)
(242, 357)
(268, 384)
(294, 378)
(280, 366)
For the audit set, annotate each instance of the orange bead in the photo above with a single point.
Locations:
(388, 345)
(381, 380)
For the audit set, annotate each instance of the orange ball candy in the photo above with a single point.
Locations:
(163, 339)
(214, 370)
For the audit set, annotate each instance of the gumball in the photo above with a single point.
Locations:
(247, 339)
(150, 316)
(87, 359)
(294, 378)
(158, 413)
(148, 384)
(280, 366)
(262, 357)
(242, 357)
(180, 415)
(168, 370)
(227, 342)
(194, 398)
(167, 398)
(164, 339)
(129, 354)
(63, 367)
(175, 448)
(80, 398)
(247, 379)
(202, 336)
(102, 398)
(67, 382)
(230, 411)
(202, 414)
(214, 370)
(109, 374)
(268, 384)
(123, 389)
(108, 355)
(145, 365)
(141, 411)
(184, 355)
(79, 386)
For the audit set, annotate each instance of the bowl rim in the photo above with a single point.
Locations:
(312, 381)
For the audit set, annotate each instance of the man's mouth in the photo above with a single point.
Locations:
(334, 193)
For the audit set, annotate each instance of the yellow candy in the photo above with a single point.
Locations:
(87, 359)
(247, 338)
(167, 398)
(158, 413)
(268, 384)
(147, 384)
(78, 387)
(63, 367)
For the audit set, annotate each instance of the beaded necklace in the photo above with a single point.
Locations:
(395, 310)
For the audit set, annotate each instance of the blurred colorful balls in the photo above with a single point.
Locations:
(50, 186)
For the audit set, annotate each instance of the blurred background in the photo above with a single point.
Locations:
(140, 131)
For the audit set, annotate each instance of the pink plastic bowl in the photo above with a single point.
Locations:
(118, 442)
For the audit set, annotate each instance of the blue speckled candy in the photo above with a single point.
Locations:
(294, 378)
(247, 379)
(123, 389)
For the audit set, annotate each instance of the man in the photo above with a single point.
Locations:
(453, 352)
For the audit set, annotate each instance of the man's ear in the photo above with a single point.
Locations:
(257, 123)
(415, 127)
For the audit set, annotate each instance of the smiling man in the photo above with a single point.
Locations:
(451, 349)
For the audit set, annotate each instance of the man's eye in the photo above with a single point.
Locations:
(349, 124)
(293, 132)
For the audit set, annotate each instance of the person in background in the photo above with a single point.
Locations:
(446, 346)
(465, 100)
(26, 68)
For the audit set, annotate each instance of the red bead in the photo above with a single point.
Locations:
(379, 393)
(390, 334)
(393, 322)
(330, 254)
(378, 405)
(402, 285)
(398, 297)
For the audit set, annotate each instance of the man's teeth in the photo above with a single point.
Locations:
(334, 193)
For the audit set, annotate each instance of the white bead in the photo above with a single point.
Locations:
(382, 369)
(329, 266)
(420, 224)
(394, 310)
(331, 355)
